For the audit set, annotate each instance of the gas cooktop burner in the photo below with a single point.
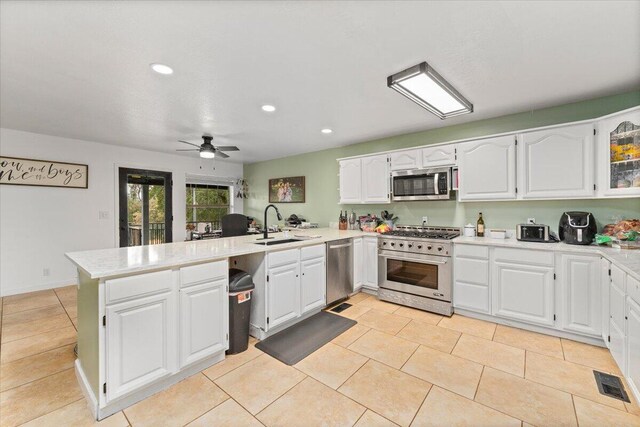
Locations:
(440, 233)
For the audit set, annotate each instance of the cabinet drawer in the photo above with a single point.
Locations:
(524, 256)
(618, 277)
(472, 270)
(473, 251)
(310, 252)
(203, 272)
(134, 286)
(633, 289)
(471, 297)
(283, 257)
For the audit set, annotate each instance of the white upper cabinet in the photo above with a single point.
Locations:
(375, 179)
(556, 163)
(487, 169)
(350, 181)
(410, 159)
(618, 148)
(442, 155)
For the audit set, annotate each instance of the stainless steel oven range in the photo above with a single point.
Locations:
(415, 267)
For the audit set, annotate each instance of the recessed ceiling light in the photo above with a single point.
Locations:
(162, 69)
(326, 130)
(268, 108)
(424, 86)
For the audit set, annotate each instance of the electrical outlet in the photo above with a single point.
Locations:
(531, 220)
(425, 220)
(45, 271)
(103, 215)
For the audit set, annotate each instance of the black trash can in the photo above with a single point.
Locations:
(240, 289)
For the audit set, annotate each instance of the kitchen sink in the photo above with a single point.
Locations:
(277, 242)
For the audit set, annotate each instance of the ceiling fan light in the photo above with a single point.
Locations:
(424, 86)
(207, 154)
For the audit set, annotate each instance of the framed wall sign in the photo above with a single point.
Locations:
(286, 190)
(43, 173)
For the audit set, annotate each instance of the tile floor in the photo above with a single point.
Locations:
(397, 366)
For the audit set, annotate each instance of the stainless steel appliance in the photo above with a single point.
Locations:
(415, 267)
(577, 228)
(339, 270)
(534, 233)
(421, 184)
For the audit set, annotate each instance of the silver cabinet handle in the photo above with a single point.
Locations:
(421, 261)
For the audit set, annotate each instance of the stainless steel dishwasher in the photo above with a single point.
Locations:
(339, 269)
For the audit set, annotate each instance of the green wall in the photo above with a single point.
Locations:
(321, 171)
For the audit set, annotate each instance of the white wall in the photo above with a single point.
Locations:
(39, 224)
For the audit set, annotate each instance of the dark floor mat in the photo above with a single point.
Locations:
(300, 340)
(340, 308)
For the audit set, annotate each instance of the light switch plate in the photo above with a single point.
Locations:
(103, 215)
(531, 220)
(425, 220)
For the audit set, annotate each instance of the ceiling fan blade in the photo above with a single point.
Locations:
(189, 149)
(221, 154)
(185, 142)
(227, 148)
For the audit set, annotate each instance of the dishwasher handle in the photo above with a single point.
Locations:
(345, 245)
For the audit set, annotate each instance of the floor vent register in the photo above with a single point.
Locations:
(611, 386)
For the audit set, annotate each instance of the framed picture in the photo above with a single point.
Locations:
(43, 173)
(286, 190)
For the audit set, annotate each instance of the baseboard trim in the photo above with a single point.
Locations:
(85, 387)
(41, 287)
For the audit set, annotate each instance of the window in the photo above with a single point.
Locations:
(207, 204)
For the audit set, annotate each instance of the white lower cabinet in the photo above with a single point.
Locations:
(370, 272)
(313, 284)
(633, 345)
(616, 339)
(579, 293)
(203, 331)
(140, 342)
(471, 285)
(283, 294)
(358, 263)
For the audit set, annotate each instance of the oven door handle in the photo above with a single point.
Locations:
(422, 261)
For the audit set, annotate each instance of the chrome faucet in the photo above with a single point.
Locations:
(266, 228)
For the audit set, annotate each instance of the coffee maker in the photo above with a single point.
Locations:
(577, 228)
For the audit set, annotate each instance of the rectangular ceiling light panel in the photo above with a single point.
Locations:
(424, 86)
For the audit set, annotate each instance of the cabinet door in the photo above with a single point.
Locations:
(313, 284)
(579, 280)
(442, 155)
(523, 292)
(350, 181)
(557, 163)
(402, 160)
(487, 169)
(204, 314)
(633, 345)
(618, 141)
(283, 294)
(375, 179)
(141, 342)
(605, 282)
(371, 262)
(471, 286)
(616, 339)
(358, 264)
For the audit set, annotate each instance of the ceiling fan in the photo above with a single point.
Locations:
(207, 150)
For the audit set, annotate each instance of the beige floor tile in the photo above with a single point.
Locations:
(371, 419)
(232, 362)
(383, 321)
(227, 414)
(374, 303)
(35, 344)
(420, 315)
(387, 391)
(177, 405)
(27, 369)
(597, 357)
(350, 335)
(451, 372)
(354, 312)
(29, 401)
(32, 315)
(259, 382)
(77, 414)
(22, 302)
(567, 376)
(444, 408)
(592, 414)
(523, 399)
(632, 407)
(385, 348)
(442, 339)
(35, 327)
(491, 353)
(467, 325)
(332, 365)
(356, 298)
(527, 340)
(313, 402)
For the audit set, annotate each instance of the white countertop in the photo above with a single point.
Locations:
(626, 259)
(103, 263)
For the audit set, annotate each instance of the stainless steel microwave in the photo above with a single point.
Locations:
(421, 184)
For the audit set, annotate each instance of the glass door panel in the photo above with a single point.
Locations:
(412, 273)
(624, 151)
